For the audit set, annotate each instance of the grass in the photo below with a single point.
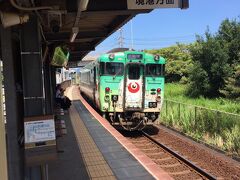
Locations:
(214, 127)
(177, 92)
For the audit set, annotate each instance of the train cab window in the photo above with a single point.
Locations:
(111, 68)
(134, 72)
(163, 69)
(155, 69)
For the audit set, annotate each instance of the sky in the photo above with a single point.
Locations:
(164, 27)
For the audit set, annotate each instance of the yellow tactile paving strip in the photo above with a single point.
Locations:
(97, 167)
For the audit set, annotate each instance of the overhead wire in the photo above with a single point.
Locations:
(169, 37)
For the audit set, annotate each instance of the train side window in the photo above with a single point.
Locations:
(134, 72)
(94, 74)
(111, 68)
(114, 68)
(155, 69)
(163, 69)
(102, 68)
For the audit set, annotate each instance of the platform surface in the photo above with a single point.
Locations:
(70, 164)
(118, 159)
(93, 149)
(89, 151)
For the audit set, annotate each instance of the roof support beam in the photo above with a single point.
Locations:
(114, 12)
(81, 35)
(75, 48)
(77, 57)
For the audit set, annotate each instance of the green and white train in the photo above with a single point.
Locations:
(126, 86)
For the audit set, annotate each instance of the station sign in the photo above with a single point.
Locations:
(39, 131)
(154, 4)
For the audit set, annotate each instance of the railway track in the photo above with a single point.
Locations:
(176, 165)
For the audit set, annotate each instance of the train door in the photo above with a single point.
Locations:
(134, 87)
(94, 84)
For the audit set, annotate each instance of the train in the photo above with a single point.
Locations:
(126, 86)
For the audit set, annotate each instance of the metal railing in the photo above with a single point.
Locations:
(212, 126)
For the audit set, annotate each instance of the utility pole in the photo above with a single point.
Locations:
(121, 38)
(131, 34)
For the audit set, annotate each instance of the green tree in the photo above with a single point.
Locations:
(179, 61)
(232, 88)
(229, 36)
(211, 59)
(199, 81)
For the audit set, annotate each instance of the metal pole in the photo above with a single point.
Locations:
(13, 105)
(46, 166)
(166, 107)
(195, 114)
(44, 172)
(131, 34)
(179, 111)
(3, 153)
(121, 38)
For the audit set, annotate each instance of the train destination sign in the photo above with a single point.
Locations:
(134, 56)
(39, 131)
(153, 4)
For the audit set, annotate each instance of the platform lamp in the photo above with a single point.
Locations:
(82, 6)
(11, 19)
(74, 34)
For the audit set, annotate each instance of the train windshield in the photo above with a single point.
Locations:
(134, 72)
(111, 68)
(155, 69)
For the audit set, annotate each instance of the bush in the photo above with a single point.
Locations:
(184, 80)
(232, 88)
(210, 67)
(199, 82)
(219, 59)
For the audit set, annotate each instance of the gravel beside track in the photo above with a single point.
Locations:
(177, 169)
(213, 162)
(217, 164)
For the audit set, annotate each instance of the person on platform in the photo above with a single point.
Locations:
(61, 99)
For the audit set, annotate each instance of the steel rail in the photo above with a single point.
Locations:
(187, 162)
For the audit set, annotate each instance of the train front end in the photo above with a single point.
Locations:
(131, 88)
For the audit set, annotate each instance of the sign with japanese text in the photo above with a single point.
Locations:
(153, 4)
(39, 131)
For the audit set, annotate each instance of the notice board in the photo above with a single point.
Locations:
(40, 140)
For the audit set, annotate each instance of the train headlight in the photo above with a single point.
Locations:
(150, 105)
(156, 57)
(154, 104)
(111, 56)
(114, 98)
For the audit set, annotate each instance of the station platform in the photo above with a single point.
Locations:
(93, 149)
